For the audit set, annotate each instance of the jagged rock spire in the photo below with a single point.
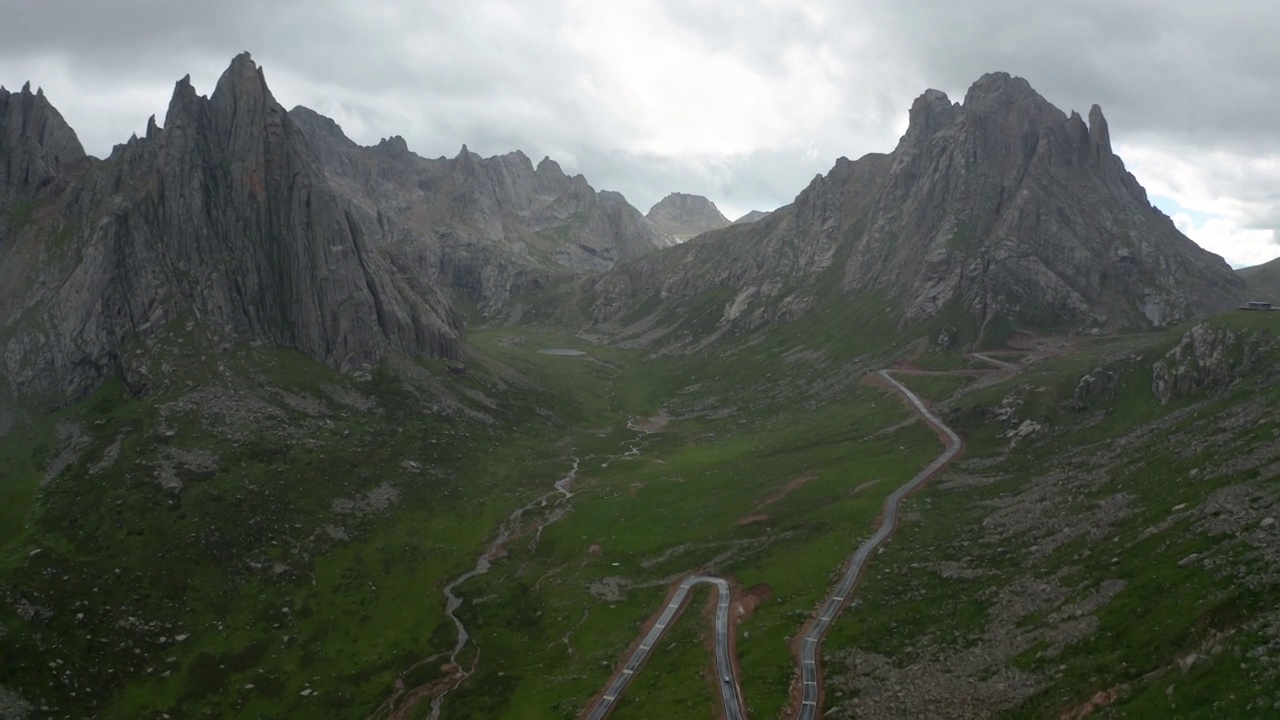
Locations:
(1099, 135)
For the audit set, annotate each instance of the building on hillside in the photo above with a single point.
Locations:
(1257, 305)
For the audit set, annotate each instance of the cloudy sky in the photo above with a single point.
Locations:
(739, 100)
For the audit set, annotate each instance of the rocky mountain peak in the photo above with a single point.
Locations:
(684, 216)
(930, 112)
(242, 77)
(184, 104)
(996, 88)
(395, 144)
(37, 147)
(242, 102)
(547, 166)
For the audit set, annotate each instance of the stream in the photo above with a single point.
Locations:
(559, 496)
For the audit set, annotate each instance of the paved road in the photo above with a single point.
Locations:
(811, 684)
(730, 693)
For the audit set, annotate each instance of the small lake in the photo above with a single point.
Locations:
(563, 352)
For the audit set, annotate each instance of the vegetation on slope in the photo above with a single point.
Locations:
(260, 536)
(1122, 557)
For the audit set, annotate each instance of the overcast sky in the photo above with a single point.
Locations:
(739, 100)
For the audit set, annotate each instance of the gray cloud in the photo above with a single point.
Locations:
(743, 101)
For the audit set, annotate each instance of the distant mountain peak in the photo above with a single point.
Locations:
(752, 216)
(684, 216)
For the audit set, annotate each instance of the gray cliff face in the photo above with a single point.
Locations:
(222, 217)
(485, 227)
(683, 216)
(1002, 209)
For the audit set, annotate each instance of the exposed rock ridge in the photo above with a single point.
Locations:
(223, 216)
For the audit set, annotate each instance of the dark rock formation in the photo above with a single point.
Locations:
(224, 217)
(1003, 210)
(684, 216)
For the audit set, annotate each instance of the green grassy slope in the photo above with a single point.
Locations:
(1121, 554)
(259, 526)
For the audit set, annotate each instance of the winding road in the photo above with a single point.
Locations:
(816, 630)
(730, 692)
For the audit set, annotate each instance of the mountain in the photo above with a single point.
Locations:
(268, 226)
(684, 216)
(1263, 281)
(229, 515)
(751, 217)
(997, 214)
(501, 210)
(224, 217)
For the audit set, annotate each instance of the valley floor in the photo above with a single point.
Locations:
(266, 538)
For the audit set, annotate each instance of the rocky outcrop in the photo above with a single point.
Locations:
(223, 217)
(1208, 358)
(684, 216)
(1002, 210)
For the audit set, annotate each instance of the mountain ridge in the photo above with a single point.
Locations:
(269, 225)
(999, 213)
